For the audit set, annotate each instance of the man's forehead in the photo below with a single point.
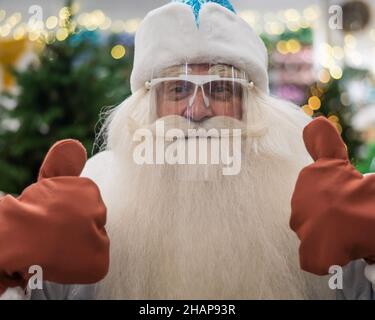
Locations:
(222, 70)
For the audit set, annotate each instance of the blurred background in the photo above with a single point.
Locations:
(63, 63)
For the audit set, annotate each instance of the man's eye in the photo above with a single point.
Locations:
(180, 89)
(221, 89)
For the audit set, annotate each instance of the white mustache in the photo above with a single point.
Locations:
(224, 126)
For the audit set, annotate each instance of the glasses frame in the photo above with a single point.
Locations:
(199, 81)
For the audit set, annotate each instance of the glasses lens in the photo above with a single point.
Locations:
(203, 97)
(220, 91)
(225, 98)
(177, 90)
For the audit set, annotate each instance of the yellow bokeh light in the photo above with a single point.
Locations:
(306, 108)
(34, 35)
(282, 47)
(62, 34)
(293, 26)
(274, 28)
(132, 25)
(292, 15)
(314, 103)
(19, 33)
(290, 46)
(324, 76)
(311, 13)
(338, 53)
(118, 51)
(14, 19)
(293, 46)
(5, 30)
(64, 13)
(98, 17)
(49, 37)
(52, 22)
(334, 119)
(106, 24)
(83, 19)
(336, 72)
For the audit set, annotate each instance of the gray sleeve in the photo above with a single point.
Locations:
(355, 284)
(54, 291)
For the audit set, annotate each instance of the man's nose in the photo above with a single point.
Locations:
(198, 111)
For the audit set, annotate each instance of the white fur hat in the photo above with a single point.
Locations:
(170, 35)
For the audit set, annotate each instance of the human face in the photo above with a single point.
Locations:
(205, 100)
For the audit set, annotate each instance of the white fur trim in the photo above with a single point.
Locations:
(98, 167)
(15, 294)
(370, 274)
(169, 36)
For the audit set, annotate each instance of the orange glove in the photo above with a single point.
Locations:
(56, 223)
(333, 205)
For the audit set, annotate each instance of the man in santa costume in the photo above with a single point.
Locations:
(186, 230)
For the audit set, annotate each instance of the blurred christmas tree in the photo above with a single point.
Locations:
(61, 97)
(335, 99)
(336, 95)
(291, 64)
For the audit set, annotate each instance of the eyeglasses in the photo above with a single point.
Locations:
(185, 88)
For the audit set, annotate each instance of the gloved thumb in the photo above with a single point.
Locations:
(322, 140)
(65, 158)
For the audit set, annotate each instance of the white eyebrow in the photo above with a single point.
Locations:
(224, 71)
(176, 71)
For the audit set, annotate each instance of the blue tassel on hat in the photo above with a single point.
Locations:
(197, 4)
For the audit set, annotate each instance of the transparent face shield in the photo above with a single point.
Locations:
(200, 110)
(199, 93)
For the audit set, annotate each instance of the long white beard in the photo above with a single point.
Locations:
(226, 238)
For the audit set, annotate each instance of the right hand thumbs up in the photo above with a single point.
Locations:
(323, 141)
(56, 223)
(333, 205)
